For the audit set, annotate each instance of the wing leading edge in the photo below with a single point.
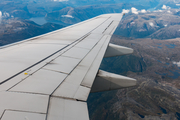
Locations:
(49, 77)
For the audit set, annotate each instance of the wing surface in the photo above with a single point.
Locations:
(49, 77)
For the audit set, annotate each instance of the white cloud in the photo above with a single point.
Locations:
(69, 16)
(177, 4)
(125, 11)
(134, 10)
(165, 25)
(165, 7)
(143, 11)
(0, 16)
(158, 11)
(151, 24)
(169, 11)
(5, 14)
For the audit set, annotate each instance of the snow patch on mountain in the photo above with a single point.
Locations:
(69, 16)
(151, 24)
(177, 63)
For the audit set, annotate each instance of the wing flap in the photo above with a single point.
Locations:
(19, 115)
(91, 74)
(39, 82)
(72, 83)
(66, 109)
(15, 101)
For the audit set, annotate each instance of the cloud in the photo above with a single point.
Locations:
(134, 10)
(0, 16)
(125, 11)
(158, 11)
(165, 7)
(169, 11)
(5, 14)
(143, 11)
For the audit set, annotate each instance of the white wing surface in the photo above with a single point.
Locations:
(49, 77)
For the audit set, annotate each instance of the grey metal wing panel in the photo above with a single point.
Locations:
(57, 69)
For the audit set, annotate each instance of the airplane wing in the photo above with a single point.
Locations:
(49, 77)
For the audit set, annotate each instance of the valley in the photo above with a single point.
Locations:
(153, 31)
(156, 95)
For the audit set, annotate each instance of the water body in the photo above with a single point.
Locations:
(159, 61)
(175, 73)
(39, 20)
(159, 47)
(171, 45)
(163, 110)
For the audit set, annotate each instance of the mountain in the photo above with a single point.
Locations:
(162, 24)
(154, 63)
(167, 33)
(27, 9)
(70, 15)
(13, 30)
(156, 95)
(77, 3)
(175, 4)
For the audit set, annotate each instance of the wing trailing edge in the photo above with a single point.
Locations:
(106, 81)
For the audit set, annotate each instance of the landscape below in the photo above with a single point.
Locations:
(155, 63)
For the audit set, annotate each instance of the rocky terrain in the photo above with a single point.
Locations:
(13, 30)
(72, 15)
(154, 36)
(29, 8)
(161, 24)
(156, 95)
